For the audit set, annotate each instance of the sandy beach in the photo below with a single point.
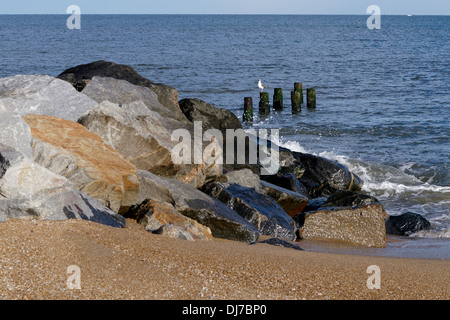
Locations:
(131, 263)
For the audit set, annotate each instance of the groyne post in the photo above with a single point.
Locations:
(248, 109)
(278, 99)
(296, 101)
(264, 104)
(298, 86)
(311, 98)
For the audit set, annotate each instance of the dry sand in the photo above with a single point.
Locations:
(131, 263)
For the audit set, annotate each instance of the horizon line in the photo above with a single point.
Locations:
(233, 14)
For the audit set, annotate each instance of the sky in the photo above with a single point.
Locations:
(414, 7)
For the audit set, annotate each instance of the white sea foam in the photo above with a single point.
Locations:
(399, 190)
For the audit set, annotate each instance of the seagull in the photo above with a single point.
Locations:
(261, 86)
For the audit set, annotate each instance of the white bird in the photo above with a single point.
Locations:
(261, 86)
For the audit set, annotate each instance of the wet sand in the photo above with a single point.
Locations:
(131, 263)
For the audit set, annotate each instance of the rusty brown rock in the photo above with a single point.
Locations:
(69, 149)
(155, 214)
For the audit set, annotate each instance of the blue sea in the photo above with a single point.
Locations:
(383, 98)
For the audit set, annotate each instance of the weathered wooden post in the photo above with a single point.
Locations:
(264, 104)
(298, 86)
(296, 101)
(278, 99)
(248, 109)
(311, 98)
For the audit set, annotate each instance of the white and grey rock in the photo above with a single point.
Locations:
(36, 94)
(30, 191)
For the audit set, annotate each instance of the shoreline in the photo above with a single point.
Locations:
(396, 247)
(131, 263)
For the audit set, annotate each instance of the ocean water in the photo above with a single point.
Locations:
(383, 99)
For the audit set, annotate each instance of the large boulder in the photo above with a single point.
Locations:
(210, 116)
(122, 92)
(81, 75)
(155, 214)
(37, 94)
(69, 149)
(222, 120)
(406, 224)
(30, 191)
(257, 208)
(323, 177)
(345, 198)
(190, 202)
(362, 226)
(141, 136)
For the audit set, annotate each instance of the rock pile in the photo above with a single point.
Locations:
(96, 143)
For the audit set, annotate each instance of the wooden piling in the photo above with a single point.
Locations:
(298, 86)
(264, 104)
(278, 99)
(311, 98)
(295, 101)
(248, 109)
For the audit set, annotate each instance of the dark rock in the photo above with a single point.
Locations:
(81, 75)
(211, 116)
(279, 243)
(323, 177)
(190, 202)
(315, 204)
(351, 199)
(287, 181)
(291, 202)
(258, 209)
(406, 224)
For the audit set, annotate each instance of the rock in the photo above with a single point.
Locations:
(350, 199)
(291, 202)
(279, 243)
(172, 231)
(30, 191)
(122, 92)
(243, 177)
(258, 209)
(155, 214)
(362, 226)
(210, 116)
(287, 181)
(315, 204)
(406, 224)
(323, 177)
(141, 136)
(81, 75)
(190, 202)
(69, 149)
(37, 94)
